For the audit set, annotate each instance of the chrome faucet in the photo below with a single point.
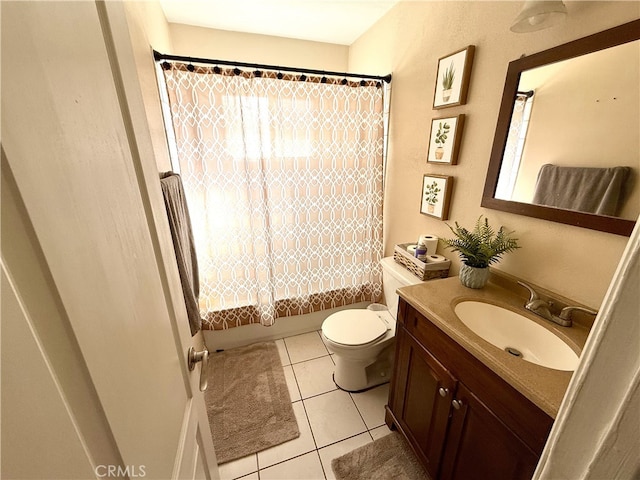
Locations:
(538, 306)
(542, 308)
(565, 313)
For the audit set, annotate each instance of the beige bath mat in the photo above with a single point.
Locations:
(388, 457)
(248, 402)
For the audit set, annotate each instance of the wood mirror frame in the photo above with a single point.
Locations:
(627, 32)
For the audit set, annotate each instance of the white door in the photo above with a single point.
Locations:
(94, 331)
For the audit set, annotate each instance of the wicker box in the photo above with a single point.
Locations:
(422, 270)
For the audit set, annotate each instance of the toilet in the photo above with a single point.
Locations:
(363, 340)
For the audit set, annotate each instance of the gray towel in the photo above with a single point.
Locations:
(180, 224)
(593, 190)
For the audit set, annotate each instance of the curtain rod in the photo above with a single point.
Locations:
(161, 56)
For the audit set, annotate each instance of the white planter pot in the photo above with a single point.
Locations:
(473, 277)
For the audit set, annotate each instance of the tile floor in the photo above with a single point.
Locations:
(332, 422)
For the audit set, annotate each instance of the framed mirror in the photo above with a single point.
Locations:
(567, 141)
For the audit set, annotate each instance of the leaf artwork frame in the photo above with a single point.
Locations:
(452, 78)
(436, 195)
(445, 139)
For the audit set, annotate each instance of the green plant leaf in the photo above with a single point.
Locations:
(448, 77)
(482, 246)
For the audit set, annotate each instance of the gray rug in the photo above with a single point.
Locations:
(248, 402)
(390, 457)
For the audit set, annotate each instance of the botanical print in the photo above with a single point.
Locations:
(448, 77)
(452, 79)
(444, 140)
(436, 192)
(441, 139)
(431, 192)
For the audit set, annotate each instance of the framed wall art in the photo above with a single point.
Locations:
(452, 78)
(436, 196)
(444, 140)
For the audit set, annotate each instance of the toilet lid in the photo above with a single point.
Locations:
(353, 327)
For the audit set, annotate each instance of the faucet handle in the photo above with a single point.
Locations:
(532, 292)
(565, 313)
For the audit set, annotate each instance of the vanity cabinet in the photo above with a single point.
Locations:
(462, 420)
(479, 445)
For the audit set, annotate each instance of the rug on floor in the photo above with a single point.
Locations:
(388, 457)
(248, 402)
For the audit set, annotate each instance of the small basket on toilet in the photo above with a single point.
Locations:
(434, 267)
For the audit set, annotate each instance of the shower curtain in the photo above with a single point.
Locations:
(283, 175)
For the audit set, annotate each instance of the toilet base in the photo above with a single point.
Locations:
(354, 376)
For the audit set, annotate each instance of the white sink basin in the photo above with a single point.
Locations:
(516, 334)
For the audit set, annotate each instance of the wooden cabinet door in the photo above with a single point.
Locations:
(423, 400)
(479, 446)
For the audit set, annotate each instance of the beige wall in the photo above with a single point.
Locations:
(246, 47)
(408, 42)
(149, 30)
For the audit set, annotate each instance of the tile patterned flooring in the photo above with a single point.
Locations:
(332, 422)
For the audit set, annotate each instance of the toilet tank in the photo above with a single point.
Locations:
(395, 276)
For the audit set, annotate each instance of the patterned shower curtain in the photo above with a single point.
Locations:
(283, 176)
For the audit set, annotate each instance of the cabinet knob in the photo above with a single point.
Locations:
(443, 391)
(457, 404)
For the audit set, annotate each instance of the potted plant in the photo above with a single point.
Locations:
(441, 138)
(447, 82)
(431, 196)
(479, 249)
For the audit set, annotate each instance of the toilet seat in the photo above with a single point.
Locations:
(354, 327)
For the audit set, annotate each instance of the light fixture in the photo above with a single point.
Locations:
(538, 15)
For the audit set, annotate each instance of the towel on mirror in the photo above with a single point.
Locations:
(183, 244)
(593, 190)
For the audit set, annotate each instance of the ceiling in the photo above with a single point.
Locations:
(331, 21)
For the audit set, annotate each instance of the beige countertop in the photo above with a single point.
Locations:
(436, 300)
